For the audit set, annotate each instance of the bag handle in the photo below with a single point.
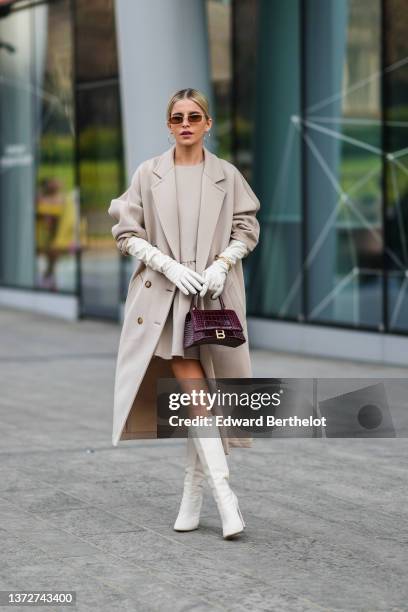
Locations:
(195, 306)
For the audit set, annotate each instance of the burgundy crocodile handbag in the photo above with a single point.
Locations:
(212, 326)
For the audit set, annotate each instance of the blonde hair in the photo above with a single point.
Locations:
(192, 94)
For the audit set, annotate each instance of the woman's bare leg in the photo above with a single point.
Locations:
(187, 368)
(191, 375)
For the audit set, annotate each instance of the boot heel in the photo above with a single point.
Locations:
(239, 511)
(240, 516)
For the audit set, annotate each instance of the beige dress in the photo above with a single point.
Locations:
(188, 187)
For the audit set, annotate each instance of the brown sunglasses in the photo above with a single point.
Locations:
(193, 117)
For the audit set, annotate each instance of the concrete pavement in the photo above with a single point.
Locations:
(326, 518)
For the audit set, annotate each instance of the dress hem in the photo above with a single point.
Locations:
(176, 355)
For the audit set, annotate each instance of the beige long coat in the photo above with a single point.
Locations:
(148, 209)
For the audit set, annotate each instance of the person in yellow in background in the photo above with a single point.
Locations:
(56, 227)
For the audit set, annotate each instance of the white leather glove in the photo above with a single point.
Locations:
(216, 274)
(187, 280)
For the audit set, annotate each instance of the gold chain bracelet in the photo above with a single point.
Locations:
(227, 261)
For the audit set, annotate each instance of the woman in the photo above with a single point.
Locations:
(189, 217)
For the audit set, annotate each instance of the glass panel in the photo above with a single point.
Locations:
(100, 151)
(38, 213)
(219, 32)
(246, 15)
(96, 41)
(268, 143)
(59, 230)
(396, 117)
(343, 162)
(17, 178)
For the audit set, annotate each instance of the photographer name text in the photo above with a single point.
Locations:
(268, 420)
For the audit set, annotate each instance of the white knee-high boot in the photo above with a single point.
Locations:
(214, 463)
(189, 514)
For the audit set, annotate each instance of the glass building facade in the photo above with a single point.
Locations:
(308, 100)
(328, 160)
(61, 150)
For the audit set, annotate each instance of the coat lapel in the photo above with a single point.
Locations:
(212, 198)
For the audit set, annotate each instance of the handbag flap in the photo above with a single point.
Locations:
(215, 319)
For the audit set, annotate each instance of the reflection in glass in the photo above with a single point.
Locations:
(100, 154)
(396, 116)
(267, 55)
(59, 231)
(39, 218)
(219, 40)
(343, 163)
(96, 51)
(246, 53)
(100, 173)
(17, 162)
(41, 229)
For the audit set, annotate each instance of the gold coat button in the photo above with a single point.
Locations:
(148, 283)
(140, 319)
